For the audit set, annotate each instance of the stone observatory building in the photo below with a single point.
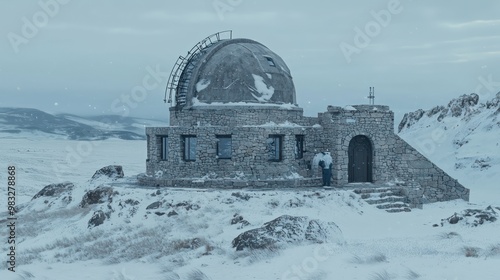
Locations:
(235, 122)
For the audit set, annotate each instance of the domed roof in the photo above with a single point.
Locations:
(235, 71)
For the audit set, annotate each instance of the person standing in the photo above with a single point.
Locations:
(326, 164)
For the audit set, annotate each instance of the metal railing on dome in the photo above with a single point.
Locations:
(177, 87)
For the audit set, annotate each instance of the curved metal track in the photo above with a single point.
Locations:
(181, 63)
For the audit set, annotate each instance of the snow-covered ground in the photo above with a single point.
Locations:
(137, 243)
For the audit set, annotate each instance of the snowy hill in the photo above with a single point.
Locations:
(111, 228)
(24, 121)
(463, 138)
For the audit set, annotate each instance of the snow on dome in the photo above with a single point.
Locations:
(195, 102)
(266, 92)
(202, 84)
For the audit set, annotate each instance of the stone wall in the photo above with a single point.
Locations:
(229, 183)
(225, 115)
(414, 168)
(394, 160)
(374, 122)
(249, 157)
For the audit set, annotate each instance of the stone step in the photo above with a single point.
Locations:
(389, 205)
(390, 199)
(398, 210)
(385, 199)
(365, 195)
(377, 190)
(379, 195)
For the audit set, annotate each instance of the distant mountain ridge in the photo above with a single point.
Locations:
(465, 106)
(463, 137)
(32, 121)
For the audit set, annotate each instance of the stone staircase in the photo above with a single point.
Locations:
(389, 199)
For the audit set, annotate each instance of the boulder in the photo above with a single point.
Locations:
(287, 230)
(473, 217)
(185, 204)
(98, 195)
(172, 213)
(97, 219)
(241, 196)
(53, 196)
(128, 202)
(238, 219)
(132, 202)
(54, 190)
(454, 219)
(110, 171)
(154, 205)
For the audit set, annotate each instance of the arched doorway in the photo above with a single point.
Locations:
(360, 159)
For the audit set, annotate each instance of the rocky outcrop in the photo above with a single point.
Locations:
(184, 204)
(241, 196)
(238, 219)
(172, 213)
(52, 196)
(466, 105)
(435, 110)
(463, 106)
(473, 217)
(494, 103)
(97, 219)
(154, 205)
(54, 190)
(110, 171)
(98, 195)
(410, 118)
(287, 230)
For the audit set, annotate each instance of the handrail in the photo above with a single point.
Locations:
(171, 79)
(181, 63)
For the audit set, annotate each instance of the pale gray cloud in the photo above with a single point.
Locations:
(474, 23)
(92, 53)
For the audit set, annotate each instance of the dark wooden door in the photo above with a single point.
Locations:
(360, 159)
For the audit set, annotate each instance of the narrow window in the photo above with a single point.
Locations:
(148, 147)
(163, 147)
(189, 144)
(274, 147)
(270, 61)
(224, 146)
(299, 146)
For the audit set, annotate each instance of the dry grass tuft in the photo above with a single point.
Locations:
(450, 235)
(384, 275)
(377, 258)
(412, 275)
(197, 275)
(471, 252)
(493, 250)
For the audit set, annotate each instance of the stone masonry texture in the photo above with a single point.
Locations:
(250, 127)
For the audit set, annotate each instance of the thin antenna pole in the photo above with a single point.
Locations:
(372, 96)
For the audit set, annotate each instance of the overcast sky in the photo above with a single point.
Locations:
(88, 57)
